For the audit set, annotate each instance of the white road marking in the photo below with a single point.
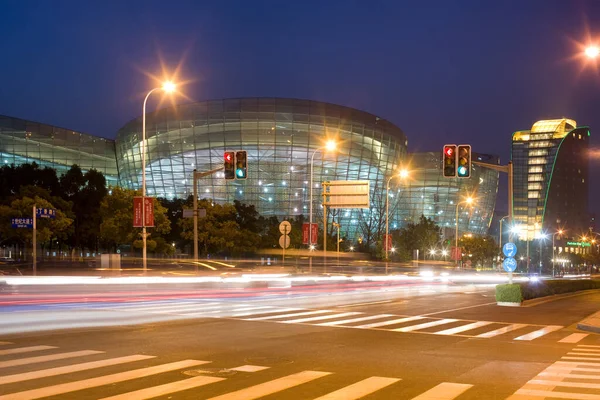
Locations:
(161, 390)
(540, 332)
(44, 373)
(365, 304)
(582, 385)
(348, 321)
(500, 331)
(574, 338)
(244, 314)
(274, 386)
(249, 368)
(587, 350)
(359, 389)
(390, 322)
(584, 353)
(444, 391)
(588, 345)
(322, 317)
(569, 375)
(557, 395)
(25, 349)
(578, 363)
(463, 328)
(457, 309)
(425, 325)
(99, 381)
(581, 358)
(288, 315)
(52, 357)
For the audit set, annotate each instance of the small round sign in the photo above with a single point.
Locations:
(284, 241)
(285, 227)
(509, 264)
(509, 249)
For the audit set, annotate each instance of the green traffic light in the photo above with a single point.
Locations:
(240, 173)
(462, 171)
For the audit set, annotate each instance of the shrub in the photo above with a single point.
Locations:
(509, 293)
(518, 292)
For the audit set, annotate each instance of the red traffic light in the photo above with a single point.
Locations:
(228, 156)
(449, 151)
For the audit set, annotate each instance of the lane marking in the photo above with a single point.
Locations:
(274, 386)
(500, 331)
(249, 368)
(29, 349)
(169, 307)
(365, 304)
(574, 338)
(390, 322)
(322, 317)
(52, 357)
(583, 353)
(458, 309)
(245, 314)
(359, 389)
(425, 325)
(588, 345)
(348, 321)
(161, 390)
(578, 363)
(571, 368)
(540, 332)
(288, 315)
(557, 395)
(586, 350)
(100, 381)
(44, 373)
(581, 385)
(581, 358)
(568, 375)
(444, 391)
(463, 328)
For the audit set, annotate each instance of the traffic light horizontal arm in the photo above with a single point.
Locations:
(198, 175)
(495, 167)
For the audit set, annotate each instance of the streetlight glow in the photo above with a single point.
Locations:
(331, 145)
(403, 173)
(592, 51)
(168, 87)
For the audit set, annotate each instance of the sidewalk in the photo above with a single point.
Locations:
(591, 323)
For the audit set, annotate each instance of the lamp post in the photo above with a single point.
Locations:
(468, 200)
(540, 237)
(168, 87)
(329, 146)
(500, 236)
(559, 233)
(403, 174)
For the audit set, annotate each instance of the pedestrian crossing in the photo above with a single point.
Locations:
(355, 320)
(575, 376)
(112, 377)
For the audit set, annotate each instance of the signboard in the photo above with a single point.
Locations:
(579, 244)
(148, 204)
(22, 222)
(456, 253)
(285, 227)
(315, 232)
(509, 249)
(509, 264)
(387, 242)
(346, 194)
(45, 212)
(284, 241)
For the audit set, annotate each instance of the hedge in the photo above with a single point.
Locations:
(517, 292)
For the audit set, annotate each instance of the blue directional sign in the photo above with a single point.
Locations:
(509, 264)
(509, 249)
(46, 213)
(22, 222)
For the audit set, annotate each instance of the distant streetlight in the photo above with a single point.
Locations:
(592, 51)
(167, 87)
(402, 174)
(330, 146)
(559, 233)
(469, 200)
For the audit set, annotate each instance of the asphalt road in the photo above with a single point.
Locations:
(423, 343)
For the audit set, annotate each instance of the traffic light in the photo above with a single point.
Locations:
(241, 165)
(449, 158)
(229, 164)
(464, 161)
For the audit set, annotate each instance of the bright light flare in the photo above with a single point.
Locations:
(403, 173)
(331, 145)
(592, 51)
(469, 200)
(169, 87)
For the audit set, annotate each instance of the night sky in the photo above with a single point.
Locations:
(443, 71)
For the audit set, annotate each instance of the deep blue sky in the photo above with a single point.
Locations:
(443, 71)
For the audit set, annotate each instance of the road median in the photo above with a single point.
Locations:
(529, 293)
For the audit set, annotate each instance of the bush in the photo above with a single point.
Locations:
(517, 292)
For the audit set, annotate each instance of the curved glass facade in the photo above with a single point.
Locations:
(428, 193)
(23, 142)
(280, 136)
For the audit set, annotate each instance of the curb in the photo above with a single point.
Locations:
(508, 304)
(588, 328)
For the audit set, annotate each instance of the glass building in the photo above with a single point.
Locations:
(551, 178)
(23, 142)
(427, 192)
(281, 137)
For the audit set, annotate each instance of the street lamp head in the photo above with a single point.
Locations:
(331, 145)
(560, 232)
(169, 87)
(592, 51)
(469, 200)
(403, 173)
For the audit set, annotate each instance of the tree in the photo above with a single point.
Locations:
(420, 236)
(480, 249)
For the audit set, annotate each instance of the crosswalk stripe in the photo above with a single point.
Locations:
(540, 332)
(501, 331)
(161, 390)
(359, 389)
(557, 395)
(569, 375)
(249, 368)
(581, 358)
(463, 328)
(288, 315)
(351, 320)
(588, 345)
(270, 387)
(574, 338)
(444, 391)
(99, 381)
(4, 343)
(244, 314)
(390, 322)
(425, 325)
(29, 349)
(587, 350)
(584, 353)
(581, 385)
(44, 373)
(575, 367)
(51, 357)
(320, 318)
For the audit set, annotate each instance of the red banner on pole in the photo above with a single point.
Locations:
(314, 236)
(387, 242)
(456, 253)
(148, 212)
(137, 212)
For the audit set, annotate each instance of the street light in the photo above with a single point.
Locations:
(331, 145)
(469, 200)
(500, 238)
(167, 87)
(592, 51)
(559, 233)
(541, 236)
(402, 174)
